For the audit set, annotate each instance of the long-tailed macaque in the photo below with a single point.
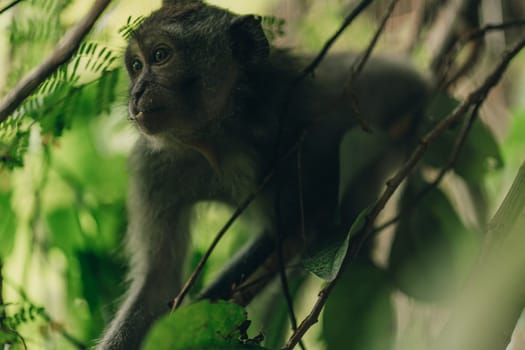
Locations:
(207, 95)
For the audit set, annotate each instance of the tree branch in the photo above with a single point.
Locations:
(64, 50)
(8, 6)
(481, 32)
(330, 42)
(453, 156)
(455, 17)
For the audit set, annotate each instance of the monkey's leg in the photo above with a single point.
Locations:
(158, 244)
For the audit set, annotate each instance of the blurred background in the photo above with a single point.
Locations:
(63, 161)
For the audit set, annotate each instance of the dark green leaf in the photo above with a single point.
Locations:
(8, 222)
(101, 276)
(480, 153)
(327, 262)
(432, 250)
(359, 313)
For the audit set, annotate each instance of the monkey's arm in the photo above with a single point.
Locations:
(157, 241)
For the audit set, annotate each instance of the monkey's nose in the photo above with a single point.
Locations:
(138, 90)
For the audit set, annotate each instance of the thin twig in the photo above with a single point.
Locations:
(453, 157)
(198, 269)
(46, 317)
(64, 333)
(473, 55)
(64, 50)
(474, 35)
(285, 286)
(481, 32)
(330, 42)
(310, 69)
(467, 65)
(280, 258)
(360, 64)
(313, 317)
(12, 4)
(456, 14)
(281, 261)
(416, 26)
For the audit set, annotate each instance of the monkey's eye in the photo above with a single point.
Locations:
(160, 55)
(136, 65)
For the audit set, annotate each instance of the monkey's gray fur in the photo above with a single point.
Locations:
(206, 95)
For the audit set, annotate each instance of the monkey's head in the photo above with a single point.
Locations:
(184, 62)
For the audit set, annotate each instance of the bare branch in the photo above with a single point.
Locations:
(457, 16)
(479, 33)
(454, 154)
(312, 318)
(12, 4)
(361, 62)
(61, 54)
(348, 20)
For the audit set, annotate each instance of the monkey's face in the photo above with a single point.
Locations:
(184, 67)
(166, 91)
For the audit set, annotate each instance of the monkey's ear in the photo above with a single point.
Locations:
(248, 42)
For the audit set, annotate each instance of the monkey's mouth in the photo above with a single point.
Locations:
(141, 114)
(149, 120)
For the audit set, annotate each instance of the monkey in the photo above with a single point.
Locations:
(207, 95)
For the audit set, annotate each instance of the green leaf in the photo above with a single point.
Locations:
(272, 312)
(480, 153)
(64, 228)
(359, 313)
(273, 27)
(432, 250)
(515, 142)
(101, 275)
(201, 326)
(131, 24)
(8, 225)
(327, 262)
